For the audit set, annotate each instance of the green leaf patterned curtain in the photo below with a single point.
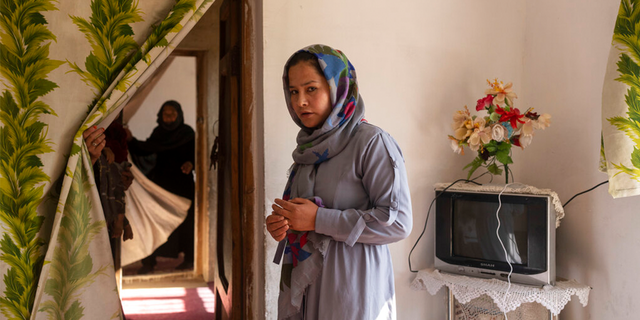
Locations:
(66, 66)
(620, 150)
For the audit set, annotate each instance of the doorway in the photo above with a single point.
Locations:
(185, 76)
(176, 80)
(229, 223)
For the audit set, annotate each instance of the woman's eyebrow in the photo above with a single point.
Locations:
(304, 84)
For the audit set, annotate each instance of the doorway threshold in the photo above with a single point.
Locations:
(185, 279)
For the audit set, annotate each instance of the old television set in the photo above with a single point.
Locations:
(466, 242)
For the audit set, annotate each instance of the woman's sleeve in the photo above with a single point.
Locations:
(385, 181)
(143, 148)
(140, 148)
(191, 152)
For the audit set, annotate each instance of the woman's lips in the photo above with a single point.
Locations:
(306, 115)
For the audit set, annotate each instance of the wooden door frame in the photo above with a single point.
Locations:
(247, 291)
(253, 169)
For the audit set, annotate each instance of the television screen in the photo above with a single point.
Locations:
(466, 241)
(474, 231)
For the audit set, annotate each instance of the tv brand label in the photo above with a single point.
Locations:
(491, 265)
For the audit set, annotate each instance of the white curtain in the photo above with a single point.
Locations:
(153, 213)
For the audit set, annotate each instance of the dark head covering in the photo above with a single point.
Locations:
(167, 136)
(179, 120)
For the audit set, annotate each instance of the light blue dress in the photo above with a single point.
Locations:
(367, 206)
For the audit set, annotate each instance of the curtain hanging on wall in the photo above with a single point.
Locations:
(620, 150)
(66, 66)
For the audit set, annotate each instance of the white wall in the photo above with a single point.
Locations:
(566, 51)
(417, 62)
(177, 83)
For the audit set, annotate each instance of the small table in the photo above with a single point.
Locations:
(506, 298)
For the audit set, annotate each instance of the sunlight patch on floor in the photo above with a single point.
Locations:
(188, 302)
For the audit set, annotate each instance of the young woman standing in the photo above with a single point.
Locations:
(346, 198)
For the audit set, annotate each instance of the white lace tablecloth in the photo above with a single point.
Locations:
(465, 289)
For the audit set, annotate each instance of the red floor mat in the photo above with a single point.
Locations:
(168, 303)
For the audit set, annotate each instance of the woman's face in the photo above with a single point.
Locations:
(310, 95)
(169, 114)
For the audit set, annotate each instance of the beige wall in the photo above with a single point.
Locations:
(567, 47)
(417, 62)
(177, 83)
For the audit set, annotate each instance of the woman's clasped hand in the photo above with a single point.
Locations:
(297, 214)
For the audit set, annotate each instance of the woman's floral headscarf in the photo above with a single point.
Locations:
(341, 77)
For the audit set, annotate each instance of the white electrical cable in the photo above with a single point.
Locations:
(503, 247)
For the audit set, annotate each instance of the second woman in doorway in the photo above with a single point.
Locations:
(173, 144)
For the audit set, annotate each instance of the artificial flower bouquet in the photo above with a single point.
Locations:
(492, 136)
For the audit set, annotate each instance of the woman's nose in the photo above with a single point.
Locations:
(302, 100)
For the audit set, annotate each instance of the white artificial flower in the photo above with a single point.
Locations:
(544, 120)
(527, 127)
(498, 132)
(525, 140)
(456, 147)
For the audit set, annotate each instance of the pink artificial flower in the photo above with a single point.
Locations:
(484, 103)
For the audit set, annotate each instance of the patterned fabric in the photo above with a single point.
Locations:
(303, 254)
(64, 67)
(620, 143)
(296, 241)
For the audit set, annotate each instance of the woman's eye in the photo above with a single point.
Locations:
(312, 89)
(292, 92)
